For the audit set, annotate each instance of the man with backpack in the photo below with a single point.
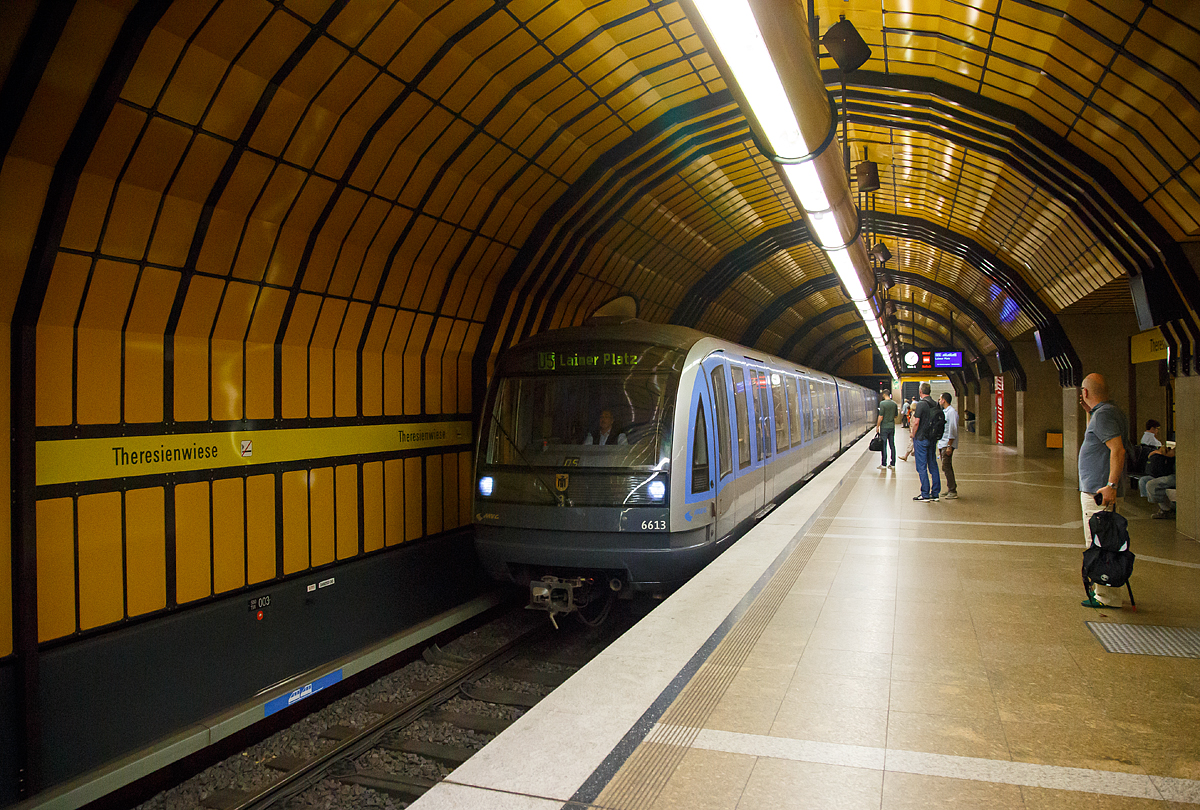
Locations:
(926, 425)
(1101, 466)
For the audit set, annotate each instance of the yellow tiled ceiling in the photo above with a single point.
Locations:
(518, 164)
(1118, 79)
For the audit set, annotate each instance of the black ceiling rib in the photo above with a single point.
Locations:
(639, 241)
(943, 338)
(960, 302)
(781, 303)
(848, 350)
(705, 291)
(792, 341)
(942, 321)
(551, 233)
(28, 64)
(1136, 229)
(830, 342)
(634, 185)
(1030, 134)
(719, 277)
(569, 221)
(60, 195)
(735, 263)
(1054, 338)
(1071, 192)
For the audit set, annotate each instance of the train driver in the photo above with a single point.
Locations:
(605, 431)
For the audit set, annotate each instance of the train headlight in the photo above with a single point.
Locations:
(657, 490)
(486, 484)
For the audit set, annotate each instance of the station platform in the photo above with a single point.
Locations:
(858, 649)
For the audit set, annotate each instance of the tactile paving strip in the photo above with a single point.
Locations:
(1138, 639)
(642, 777)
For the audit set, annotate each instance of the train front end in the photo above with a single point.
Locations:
(572, 485)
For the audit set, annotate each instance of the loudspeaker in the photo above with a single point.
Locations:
(846, 46)
(1141, 304)
(866, 175)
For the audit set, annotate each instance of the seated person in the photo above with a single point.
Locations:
(1150, 437)
(604, 434)
(1160, 476)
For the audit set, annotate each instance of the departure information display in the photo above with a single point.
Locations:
(930, 359)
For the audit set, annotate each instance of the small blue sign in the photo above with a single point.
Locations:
(296, 695)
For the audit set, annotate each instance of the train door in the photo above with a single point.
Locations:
(843, 428)
(766, 435)
(747, 490)
(700, 464)
(779, 412)
(796, 420)
(716, 374)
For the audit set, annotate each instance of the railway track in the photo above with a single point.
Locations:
(393, 760)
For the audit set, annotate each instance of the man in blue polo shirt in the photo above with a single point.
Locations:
(1101, 465)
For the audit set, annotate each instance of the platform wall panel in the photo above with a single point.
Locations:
(143, 682)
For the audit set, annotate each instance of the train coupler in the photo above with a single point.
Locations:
(555, 595)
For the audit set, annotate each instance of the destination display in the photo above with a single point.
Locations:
(930, 359)
(553, 361)
(599, 357)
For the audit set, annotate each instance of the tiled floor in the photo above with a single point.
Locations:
(937, 655)
(927, 655)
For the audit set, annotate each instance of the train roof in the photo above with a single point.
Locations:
(658, 334)
(670, 336)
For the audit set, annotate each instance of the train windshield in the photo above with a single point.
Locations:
(586, 420)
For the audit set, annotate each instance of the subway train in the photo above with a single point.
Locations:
(623, 456)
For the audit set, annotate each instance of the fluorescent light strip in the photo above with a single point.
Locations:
(732, 25)
(736, 33)
(808, 185)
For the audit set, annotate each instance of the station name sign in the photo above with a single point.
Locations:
(71, 460)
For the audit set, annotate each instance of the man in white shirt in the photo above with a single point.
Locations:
(1150, 437)
(604, 434)
(947, 444)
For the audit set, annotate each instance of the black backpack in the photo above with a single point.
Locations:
(1108, 560)
(937, 424)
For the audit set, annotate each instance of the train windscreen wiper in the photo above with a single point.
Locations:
(546, 487)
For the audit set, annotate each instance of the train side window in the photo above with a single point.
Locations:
(743, 417)
(721, 394)
(781, 413)
(700, 480)
(793, 408)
